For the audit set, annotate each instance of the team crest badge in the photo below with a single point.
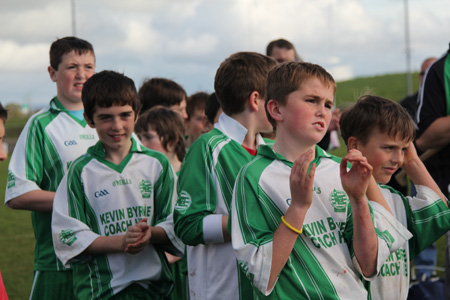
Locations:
(67, 237)
(146, 189)
(339, 200)
(183, 203)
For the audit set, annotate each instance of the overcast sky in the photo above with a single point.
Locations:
(186, 40)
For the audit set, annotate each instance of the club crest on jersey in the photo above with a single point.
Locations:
(11, 180)
(183, 203)
(146, 189)
(67, 237)
(339, 200)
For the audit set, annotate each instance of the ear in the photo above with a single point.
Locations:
(89, 121)
(352, 143)
(253, 101)
(273, 108)
(206, 124)
(52, 73)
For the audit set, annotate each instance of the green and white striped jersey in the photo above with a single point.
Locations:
(48, 144)
(322, 264)
(98, 198)
(205, 186)
(427, 218)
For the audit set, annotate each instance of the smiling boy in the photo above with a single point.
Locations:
(299, 229)
(116, 200)
(383, 131)
(50, 141)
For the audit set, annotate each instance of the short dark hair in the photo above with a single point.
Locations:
(168, 124)
(108, 88)
(212, 108)
(240, 75)
(195, 102)
(65, 45)
(3, 113)
(288, 77)
(160, 91)
(373, 112)
(281, 43)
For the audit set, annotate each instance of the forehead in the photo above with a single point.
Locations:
(86, 57)
(313, 86)
(112, 110)
(383, 137)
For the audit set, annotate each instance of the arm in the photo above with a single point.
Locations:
(436, 135)
(374, 194)
(417, 171)
(355, 183)
(37, 200)
(301, 184)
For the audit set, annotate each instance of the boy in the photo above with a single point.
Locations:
(108, 197)
(3, 118)
(208, 173)
(165, 92)
(383, 131)
(195, 125)
(50, 141)
(295, 232)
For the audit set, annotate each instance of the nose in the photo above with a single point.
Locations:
(116, 124)
(184, 114)
(3, 151)
(397, 157)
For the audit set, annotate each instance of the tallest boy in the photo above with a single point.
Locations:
(50, 141)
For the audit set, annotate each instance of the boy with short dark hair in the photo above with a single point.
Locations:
(50, 141)
(295, 232)
(207, 177)
(383, 131)
(116, 200)
(165, 92)
(195, 125)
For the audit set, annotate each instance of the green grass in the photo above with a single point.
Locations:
(17, 250)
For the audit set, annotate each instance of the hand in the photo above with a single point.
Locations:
(410, 155)
(137, 237)
(356, 180)
(301, 183)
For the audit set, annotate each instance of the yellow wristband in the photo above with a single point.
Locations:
(290, 226)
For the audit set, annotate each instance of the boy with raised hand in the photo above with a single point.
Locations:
(50, 141)
(299, 229)
(114, 201)
(383, 131)
(207, 177)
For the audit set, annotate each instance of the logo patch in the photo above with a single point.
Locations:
(385, 235)
(11, 179)
(70, 143)
(101, 193)
(183, 203)
(67, 237)
(339, 200)
(146, 189)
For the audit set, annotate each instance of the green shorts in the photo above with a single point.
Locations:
(52, 285)
(134, 292)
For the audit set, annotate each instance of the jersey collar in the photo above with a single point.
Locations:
(235, 130)
(55, 105)
(267, 151)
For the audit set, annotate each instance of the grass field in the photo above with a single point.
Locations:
(17, 239)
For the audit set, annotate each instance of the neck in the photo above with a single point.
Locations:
(246, 121)
(289, 148)
(118, 155)
(174, 161)
(69, 105)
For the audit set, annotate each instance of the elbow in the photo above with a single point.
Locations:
(14, 204)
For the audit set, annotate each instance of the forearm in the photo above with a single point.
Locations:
(436, 135)
(284, 240)
(365, 241)
(159, 236)
(37, 200)
(374, 194)
(419, 175)
(107, 244)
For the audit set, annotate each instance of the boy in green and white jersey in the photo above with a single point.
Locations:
(299, 230)
(50, 141)
(383, 131)
(116, 200)
(208, 173)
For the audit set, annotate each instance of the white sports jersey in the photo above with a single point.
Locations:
(98, 198)
(322, 264)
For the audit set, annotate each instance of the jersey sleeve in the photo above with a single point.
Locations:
(428, 218)
(197, 197)
(70, 218)
(25, 169)
(165, 199)
(252, 231)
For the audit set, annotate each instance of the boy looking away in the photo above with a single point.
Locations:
(50, 141)
(207, 177)
(383, 131)
(295, 232)
(116, 200)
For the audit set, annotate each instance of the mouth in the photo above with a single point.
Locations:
(117, 137)
(390, 170)
(79, 85)
(319, 125)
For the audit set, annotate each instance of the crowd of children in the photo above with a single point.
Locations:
(151, 194)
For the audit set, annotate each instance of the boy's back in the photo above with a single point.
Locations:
(207, 177)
